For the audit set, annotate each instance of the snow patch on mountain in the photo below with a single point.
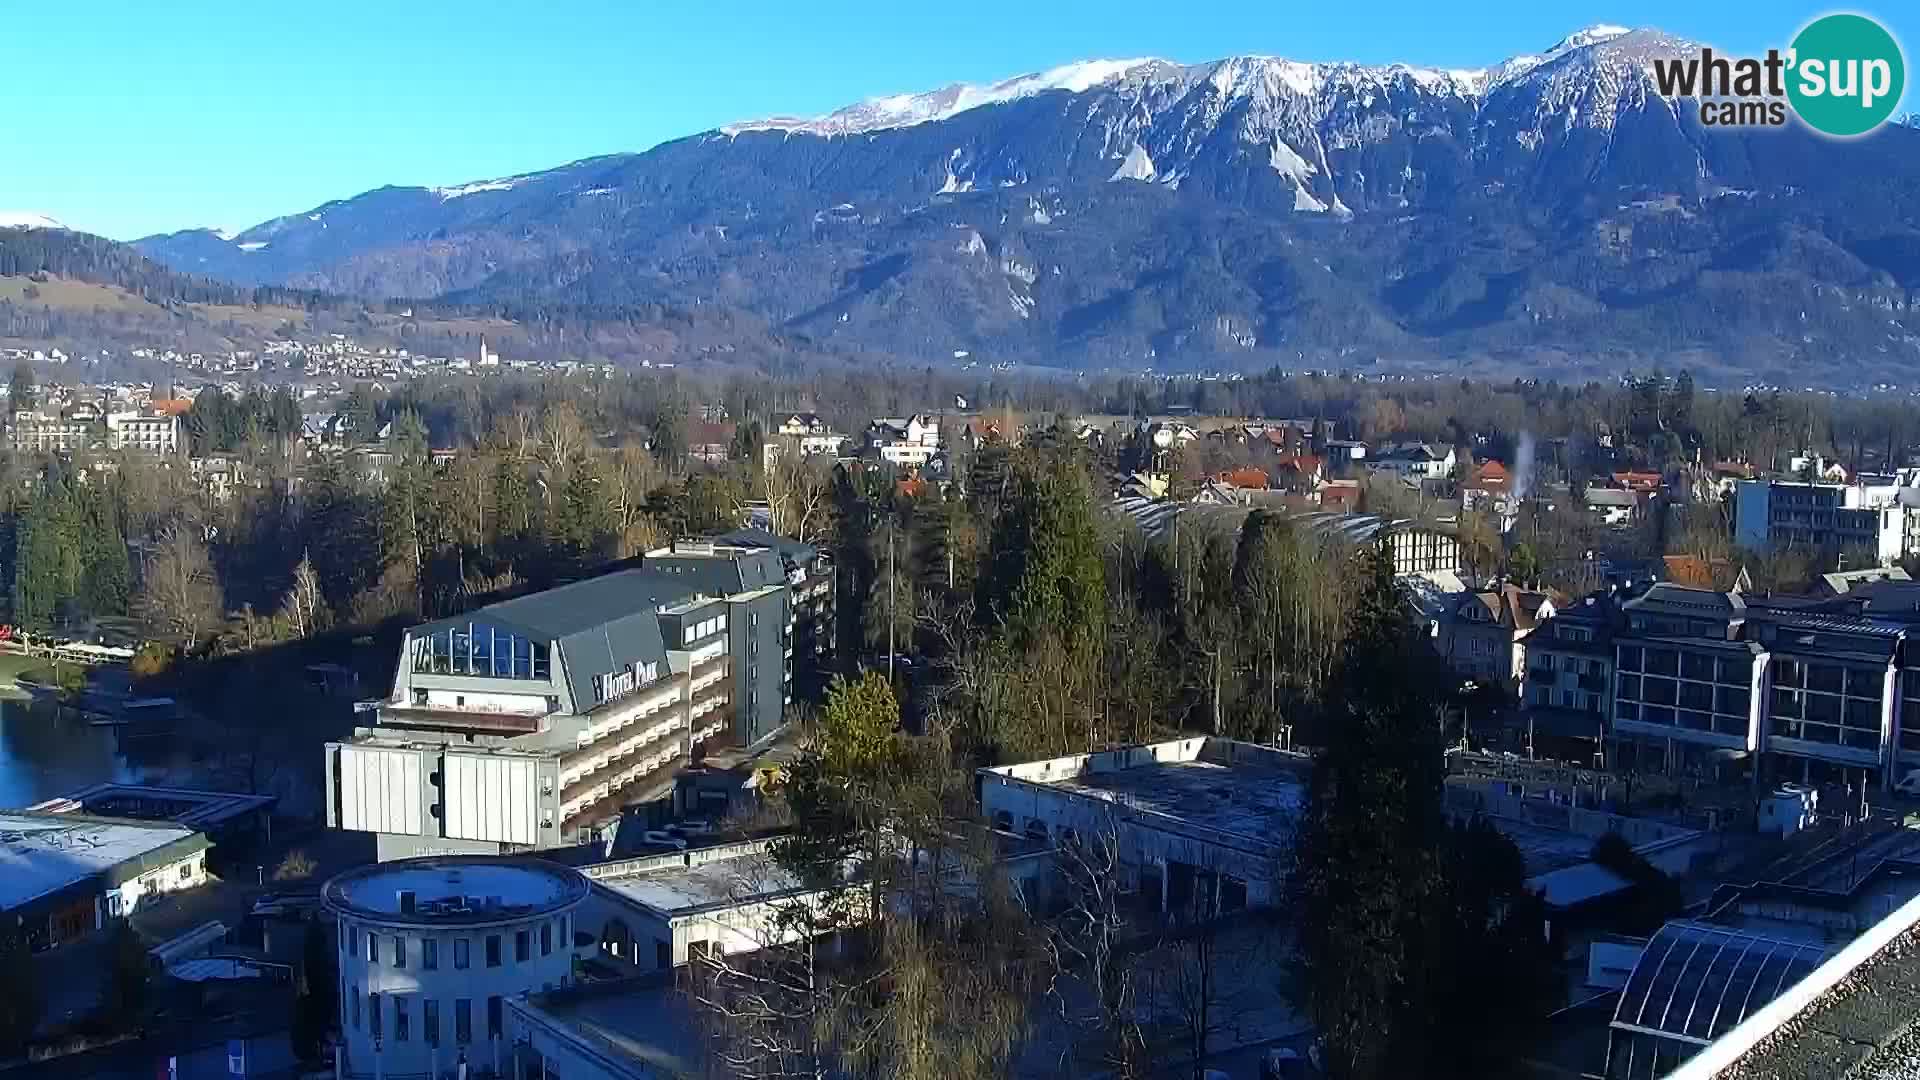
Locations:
(1136, 166)
(27, 219)
(252, 245)
(504, 184)
(906, 110)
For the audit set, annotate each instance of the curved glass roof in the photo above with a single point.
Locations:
(1695, 982)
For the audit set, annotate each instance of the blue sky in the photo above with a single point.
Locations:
(126, 118)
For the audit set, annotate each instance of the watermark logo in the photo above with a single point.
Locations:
(1842, 76)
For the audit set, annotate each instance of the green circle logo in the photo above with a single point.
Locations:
(1846, 75)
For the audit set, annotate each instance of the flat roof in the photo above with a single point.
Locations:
(41, 854)
(188, 806)
(647, 1019)
(455, 889)
(1237, 799)
(701, 879)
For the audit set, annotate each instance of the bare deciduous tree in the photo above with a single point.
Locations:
(304, 611)
(798, 490)
(179, 594)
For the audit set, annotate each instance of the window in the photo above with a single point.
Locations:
(353, 941)
(460, 954)
(493, 950)
(662, 955)
(522, 946)
(373, 1014)
(373, 947)
(419, 697)
(462, 1021)
(493, 1017)
(399, 951)
(546, 939)
(430, 1022)
(353, 997)
(186, 871)
(429, 954)
(401, 1022)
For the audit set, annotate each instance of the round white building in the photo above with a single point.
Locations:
(431, 948)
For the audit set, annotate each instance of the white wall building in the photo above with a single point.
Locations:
(909, 442)
(1197, 821)
(432, 949)
(662, 911)
(159, 435)
(63, 876)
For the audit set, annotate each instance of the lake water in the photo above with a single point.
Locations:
(42, 756)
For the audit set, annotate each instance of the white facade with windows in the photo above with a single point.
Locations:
(432, 949)
(150, 434)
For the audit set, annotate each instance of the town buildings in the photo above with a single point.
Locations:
(529, 723)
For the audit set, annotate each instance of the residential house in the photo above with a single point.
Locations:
(1415, 462)
(710, 441)
(1300, 474)
(1485, 636)
(904, 442)
(1613, 506)
(1487, 486)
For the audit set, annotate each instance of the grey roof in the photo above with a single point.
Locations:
(1156, 518)
(721, 574)
(602, 623)
(786, 546)
(1612, 497)
(1667, 598)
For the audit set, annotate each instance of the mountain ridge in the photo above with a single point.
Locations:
(1550, 212)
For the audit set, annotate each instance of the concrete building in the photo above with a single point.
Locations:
(1196, 822)
(1832, 518)
(1566, 694)
(778, 590)
(660, 912)
(66, 875)
(146, 432)
(60, 433)
(431, 951)
(531, 722)
(1775, 690)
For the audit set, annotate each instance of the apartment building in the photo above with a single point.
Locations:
(531, 722)
(60, 433)
(1567, 690)
(1771, 515)
(1806, 690)
(146, 432)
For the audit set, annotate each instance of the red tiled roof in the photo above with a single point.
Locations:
(1245, 477)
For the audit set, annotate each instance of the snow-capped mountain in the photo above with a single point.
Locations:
(26, 219)
(1145, 208)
